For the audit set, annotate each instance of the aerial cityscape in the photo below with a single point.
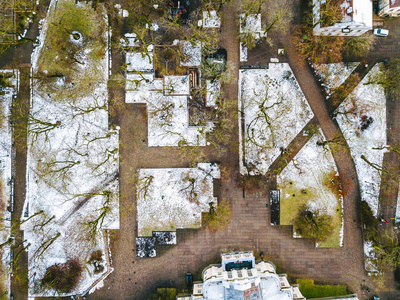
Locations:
(200, 149)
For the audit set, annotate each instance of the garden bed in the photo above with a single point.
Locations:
(274, 111)
(362, 119)
(306, 180)
(168, 199)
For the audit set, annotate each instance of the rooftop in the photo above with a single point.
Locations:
(394, 3)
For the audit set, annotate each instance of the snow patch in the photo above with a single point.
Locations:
(174, 198)
(275, 111)
(366, 102)
(334, 75)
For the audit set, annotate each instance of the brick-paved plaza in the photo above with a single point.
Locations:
(250, 228)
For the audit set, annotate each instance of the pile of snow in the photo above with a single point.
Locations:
(191, 54)
(165, 237)
(370, 258)
(6, 186)
(211, 19)
(275, 111)
(307, 171)
(174, 198)
(167, 107)
(146, 247)
(72, 178)
(243, 52)
(366, 101)
(334, 75)
(213, 91)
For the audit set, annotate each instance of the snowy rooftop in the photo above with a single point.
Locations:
(174, 198)
(362, 12)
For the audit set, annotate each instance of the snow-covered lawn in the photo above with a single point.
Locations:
(167, 103)
(306, 181)
(6, 95)
(174, 198)
(72, 174)
(334, 75)
(366, 105)
(275, 111)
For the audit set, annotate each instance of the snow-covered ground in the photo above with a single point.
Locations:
(6, 95)
(167, 102)
(275, 111)
(72, 177)
(333, 75)
(174, 198)
(191, 54)
(252, 23)
(213, 91)
(305, 178)
(370, 258)
(211, 19)
(366, 101)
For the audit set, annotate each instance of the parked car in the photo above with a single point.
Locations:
(381, 32)
(189, 279)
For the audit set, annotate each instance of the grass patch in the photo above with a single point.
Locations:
(293, 198)
(164, 294)
(311, 290)
(73, 48)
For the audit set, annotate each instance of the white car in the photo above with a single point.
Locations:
(381, 32)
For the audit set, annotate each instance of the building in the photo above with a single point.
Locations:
(241, 277)
(389, 8)
(356, 18)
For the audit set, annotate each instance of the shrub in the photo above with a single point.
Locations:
(218, 217)
(95, 259)
(62, 277)
(369, 223)
(312, 224)
(332, 183)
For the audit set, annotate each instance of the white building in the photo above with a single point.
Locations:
(240, 277)
(356, 18)
(389, 8)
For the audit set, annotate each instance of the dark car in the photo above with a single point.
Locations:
(189, 279)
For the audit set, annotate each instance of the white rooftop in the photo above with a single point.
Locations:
(362, 12)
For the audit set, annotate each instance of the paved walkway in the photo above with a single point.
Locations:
(250, 228)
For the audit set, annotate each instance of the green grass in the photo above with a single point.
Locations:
(61, 56)
(311, 290)
(290, 206)
(164, 294)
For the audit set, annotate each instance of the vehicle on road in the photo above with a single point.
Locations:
(381, 32)
(189, 280)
